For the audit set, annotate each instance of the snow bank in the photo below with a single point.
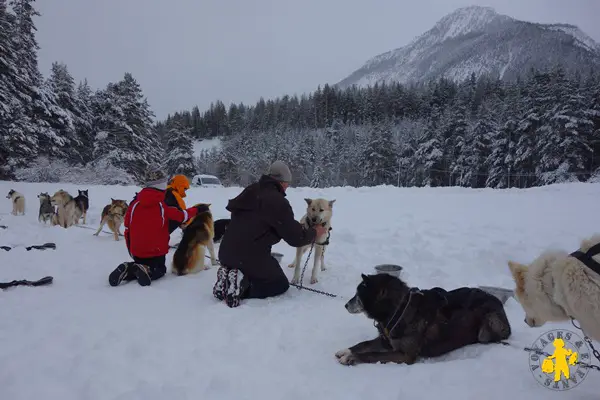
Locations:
(82, 339)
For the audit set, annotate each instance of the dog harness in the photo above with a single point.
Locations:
(587, 259)
(387, 330)
(326, 242)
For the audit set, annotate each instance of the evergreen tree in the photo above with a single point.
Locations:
(179, 157)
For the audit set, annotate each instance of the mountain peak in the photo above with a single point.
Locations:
(478, 40)
(466, 20)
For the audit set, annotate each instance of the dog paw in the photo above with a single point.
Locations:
(323, 267)
(214, 262)
(291, 265)
(295, 280)
(342, 353)
(313, 280)
(348, 359)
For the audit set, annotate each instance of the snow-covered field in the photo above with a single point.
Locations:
(82, 339)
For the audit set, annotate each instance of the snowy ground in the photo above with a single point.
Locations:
(82, 339)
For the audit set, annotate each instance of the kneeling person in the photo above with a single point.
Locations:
(147, 232)
(260, 217)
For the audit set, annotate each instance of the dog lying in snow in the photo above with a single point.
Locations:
(318, 212)
(558, 285)
(416, 323)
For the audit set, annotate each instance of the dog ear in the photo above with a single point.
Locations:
(518, 272)
(331, 202)
(365, 278)
(308, 201)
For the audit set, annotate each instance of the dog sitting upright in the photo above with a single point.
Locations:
(113, 215)
(197, 235)
(68, 212)
(83, 202)
(318, 212)
(18, 202)
(46, 213)
(415, 323)
(557, 286)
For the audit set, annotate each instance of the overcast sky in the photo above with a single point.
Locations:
(193, 52)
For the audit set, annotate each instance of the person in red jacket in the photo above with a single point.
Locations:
(147, 232)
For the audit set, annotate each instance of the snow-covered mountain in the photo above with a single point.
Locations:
(479, 40)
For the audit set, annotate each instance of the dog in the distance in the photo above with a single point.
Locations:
(46, 213)
(197, 235)
(83, 202)
(220, 228)
(557, 286)
(68, 212)
(414, 324)
(318, 212)
(113, 215)
(18, 202)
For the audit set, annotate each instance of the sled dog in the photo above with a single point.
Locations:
(415, 323)
(220, 228)
(68, 212)
(46, 213)
(83, 202)
(18, 202)
(557, 286)
(113, 215)
(318, 211)
(198, 234)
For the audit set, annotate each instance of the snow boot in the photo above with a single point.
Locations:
(232, 297)
(123, 272)
(220, 287)
(142, 274)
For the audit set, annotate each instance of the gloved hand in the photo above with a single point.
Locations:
(202, 208)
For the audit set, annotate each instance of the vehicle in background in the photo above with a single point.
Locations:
(207, 181)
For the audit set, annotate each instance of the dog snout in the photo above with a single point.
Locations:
(314, 219)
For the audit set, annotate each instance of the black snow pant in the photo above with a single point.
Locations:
(156, 265)
(272, 282)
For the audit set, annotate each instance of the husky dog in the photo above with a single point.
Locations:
(68, 212)
(18, 202)
(558, 286)
(318, 211)
(113, 215)
(83, 202)
(197, 235)
(220, 228)
(46, 213)
(415, 323)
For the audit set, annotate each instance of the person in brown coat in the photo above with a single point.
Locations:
(261, 216)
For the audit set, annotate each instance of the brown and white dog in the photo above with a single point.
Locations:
(113, 215)
(68, 212)
(18, 202)
(318, 212)
(198, 234)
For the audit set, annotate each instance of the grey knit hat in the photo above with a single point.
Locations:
(280, 172)
(156, 177)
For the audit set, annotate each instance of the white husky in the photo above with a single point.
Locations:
(318, 212)
(557, 286)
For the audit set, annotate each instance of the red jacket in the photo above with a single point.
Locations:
(147, 223)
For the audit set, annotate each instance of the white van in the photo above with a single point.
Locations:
(206, 181)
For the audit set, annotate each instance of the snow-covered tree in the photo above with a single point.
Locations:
(180, 152)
